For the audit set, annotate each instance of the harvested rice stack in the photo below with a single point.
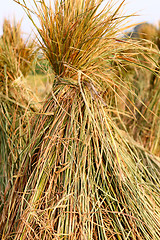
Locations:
(17, 54)
(146, 127)
(16, 104)
(153, 100)
(80, 178)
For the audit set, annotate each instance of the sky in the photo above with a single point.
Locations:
(148, 10)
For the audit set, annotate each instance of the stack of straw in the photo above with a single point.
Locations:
(16, 103)
(81, 177)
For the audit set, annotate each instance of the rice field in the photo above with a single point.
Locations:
(79, 124)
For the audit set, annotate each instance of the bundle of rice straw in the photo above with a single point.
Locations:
(80, 177)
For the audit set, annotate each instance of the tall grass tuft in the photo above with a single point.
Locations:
(82, 177)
